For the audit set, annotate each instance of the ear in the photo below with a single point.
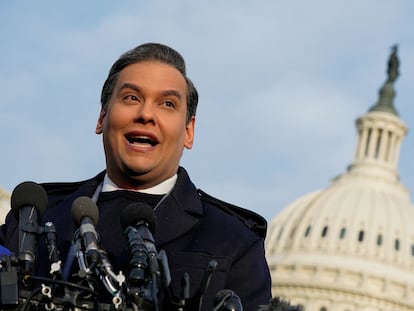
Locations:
(189, 134)
(99, 124)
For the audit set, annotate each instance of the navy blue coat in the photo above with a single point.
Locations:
(192, 227)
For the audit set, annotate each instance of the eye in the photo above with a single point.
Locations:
(169, 104)
(130, 98)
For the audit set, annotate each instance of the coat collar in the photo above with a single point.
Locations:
(176, 215)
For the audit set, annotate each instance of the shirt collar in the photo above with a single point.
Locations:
(162, 188)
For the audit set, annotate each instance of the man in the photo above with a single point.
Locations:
(147, 118)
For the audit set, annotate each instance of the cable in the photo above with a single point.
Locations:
(65, 283)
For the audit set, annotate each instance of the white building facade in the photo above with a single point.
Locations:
(4, 205)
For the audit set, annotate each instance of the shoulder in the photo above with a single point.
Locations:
(69, 187)
(252, 220)
(56, 190)
(62, 188)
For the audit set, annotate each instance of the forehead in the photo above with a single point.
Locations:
(153, 75)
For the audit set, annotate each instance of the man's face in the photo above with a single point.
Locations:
(144, 125)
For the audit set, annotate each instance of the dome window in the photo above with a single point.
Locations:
(323, 309)
(397, 245)
(378, 146)
(361, 235)
(388, 150)
(412, 250)
(368, 142)
(342, 233)
(308, 230)
(324, 231)
(379, 239)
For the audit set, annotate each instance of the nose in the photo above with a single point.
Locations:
(146, 112)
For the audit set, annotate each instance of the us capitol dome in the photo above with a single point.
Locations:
(351, 246)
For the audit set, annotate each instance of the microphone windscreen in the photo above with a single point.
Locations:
(136, 212)
(4, 251)
(84, 207)
(28, 193)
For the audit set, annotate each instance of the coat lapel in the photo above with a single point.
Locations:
(179, 212)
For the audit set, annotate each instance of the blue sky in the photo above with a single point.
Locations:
(281, 84)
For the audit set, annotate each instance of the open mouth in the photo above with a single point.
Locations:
(141, 140)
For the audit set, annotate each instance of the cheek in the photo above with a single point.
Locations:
(176, 131)
(112, 127)
(116, 119)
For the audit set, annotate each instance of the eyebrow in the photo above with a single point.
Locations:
(172, 93)
(136, 88)
(130, 86)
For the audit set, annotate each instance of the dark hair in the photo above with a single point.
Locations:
(150, 52)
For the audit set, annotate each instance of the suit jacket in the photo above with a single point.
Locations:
(192, 227)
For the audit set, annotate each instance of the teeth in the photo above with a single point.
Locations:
(141, 140)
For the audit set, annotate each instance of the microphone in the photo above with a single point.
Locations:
(137, 222)
(141, 216)
(4, 251)
(28, 202)
(85, 215)
(227, 300)
(139, 219)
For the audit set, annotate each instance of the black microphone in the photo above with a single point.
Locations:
(141, 216)
(28, 202)
(85, 215)
(137, 222)
(227, 300)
